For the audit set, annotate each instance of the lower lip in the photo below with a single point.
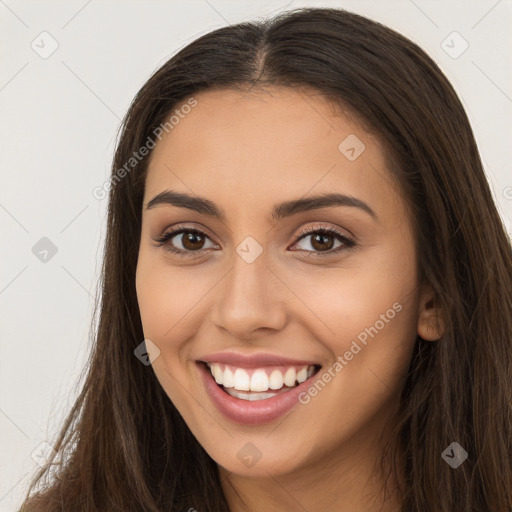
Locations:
(251, 413)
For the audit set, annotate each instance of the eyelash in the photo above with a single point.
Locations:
(166, 237)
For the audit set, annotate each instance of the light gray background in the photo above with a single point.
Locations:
(59, 117)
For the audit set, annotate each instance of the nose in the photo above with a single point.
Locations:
(251, 298)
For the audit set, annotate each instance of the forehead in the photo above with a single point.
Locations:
(246, 149)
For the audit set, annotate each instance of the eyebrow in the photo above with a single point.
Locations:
(279, 211)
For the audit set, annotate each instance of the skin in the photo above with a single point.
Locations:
(247, 152)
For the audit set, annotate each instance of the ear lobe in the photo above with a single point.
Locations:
(431, 325)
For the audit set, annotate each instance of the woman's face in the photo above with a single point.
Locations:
(256, 295)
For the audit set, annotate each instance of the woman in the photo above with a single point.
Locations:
(307, 288)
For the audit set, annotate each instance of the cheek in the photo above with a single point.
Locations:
(367, 321)
(171, 303)
(346, 302)
(165, 297)
(365, 314)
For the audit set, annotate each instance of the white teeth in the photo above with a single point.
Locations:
(276, 380)
(228, 378)
(289, 377)
(259, 381)
(251, 397)
(218, 374)
(241, 380)
(302, 375)
(238, 379)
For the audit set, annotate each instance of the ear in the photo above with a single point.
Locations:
(431, 325)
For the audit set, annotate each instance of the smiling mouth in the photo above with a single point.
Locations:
(253, 384)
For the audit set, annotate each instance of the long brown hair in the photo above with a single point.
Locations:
(125, 447)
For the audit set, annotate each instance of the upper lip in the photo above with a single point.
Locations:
(254, 360)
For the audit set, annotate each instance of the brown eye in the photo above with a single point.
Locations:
(184, 241)
(322, 241)
(192, 241)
